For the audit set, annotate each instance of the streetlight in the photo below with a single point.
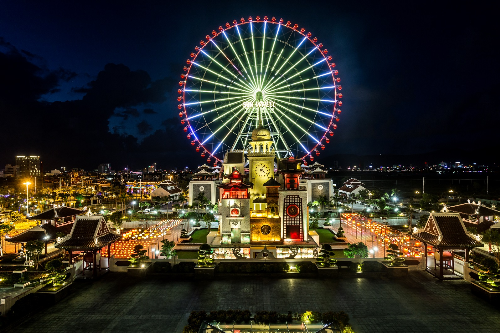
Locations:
(340, 217)
(27, 198)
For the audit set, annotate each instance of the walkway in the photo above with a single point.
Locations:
(118, 303)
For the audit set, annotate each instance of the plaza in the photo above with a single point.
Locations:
(419, 303)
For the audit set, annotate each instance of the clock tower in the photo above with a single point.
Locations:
(260, 157)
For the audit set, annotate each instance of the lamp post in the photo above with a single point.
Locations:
(340, 217)
(27, 198)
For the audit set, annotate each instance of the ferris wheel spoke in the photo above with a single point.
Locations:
(297, 125)
(234, 66)
(272, 51)
(246, 56)
(307, 108)
(219, 75)
(284, 63)
(221, 116)
(300, 90)
(211, 101)
(305, 98)
(224, 68)
(238, 57)
(214, 109)
(298, 73)
(296, 63)
(216, 92)
(301, 81)
(278, 131)
(290, 131)
(299, 115)
(222, 126)
(241, 132)
(254, 55)
(214, 83)
(228, 133)
(262, 55)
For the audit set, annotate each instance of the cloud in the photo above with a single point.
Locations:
(143, 127)
(149, 111)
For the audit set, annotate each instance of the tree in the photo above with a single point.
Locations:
(325, 256)
(492, 237)
(381, 204)
(138, 256)
(422, 220)
(205, 256)
(5, 227)
(314, 221)
(323, 202)
(33, 250)
(208, 218)
(356, 250)
(56, 269)
(395, 256)
(167, 248)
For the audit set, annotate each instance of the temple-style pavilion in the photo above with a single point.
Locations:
(57, 215)
(446, 232)
(88, 235)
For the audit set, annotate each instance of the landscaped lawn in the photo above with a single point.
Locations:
(187, 254)
(199, 236)
(325, 236)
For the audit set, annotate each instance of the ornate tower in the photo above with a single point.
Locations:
(293, 202)
(261, 157)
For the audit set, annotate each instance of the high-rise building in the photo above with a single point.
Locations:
(29, 166)
(104, 168)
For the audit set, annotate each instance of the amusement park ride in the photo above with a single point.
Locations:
(267, 89)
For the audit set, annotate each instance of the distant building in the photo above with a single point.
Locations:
(29, 166)
(10, 170)
(351, 187)
(104, 168)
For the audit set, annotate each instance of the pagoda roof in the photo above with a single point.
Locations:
(473, 209)
(239, 185)
(59, 212)
(271, 182)
(447, 230)
(40, 232)
(88, 233)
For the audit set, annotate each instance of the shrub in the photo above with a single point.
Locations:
(307, 267)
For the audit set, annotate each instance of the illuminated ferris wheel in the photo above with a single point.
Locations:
(259, 68)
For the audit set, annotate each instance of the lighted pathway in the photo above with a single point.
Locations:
(118, 303)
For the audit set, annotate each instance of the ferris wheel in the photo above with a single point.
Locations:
(259, 70)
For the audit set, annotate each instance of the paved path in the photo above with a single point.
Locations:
(118, 303)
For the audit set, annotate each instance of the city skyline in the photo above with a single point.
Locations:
(86, 85)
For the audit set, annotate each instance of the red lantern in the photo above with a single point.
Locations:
(288, 23)
(180, 114)
(185, 129)
(207, 37)
(338, 80)
(197, 149)
(221, 28)
(192, 143)
(317, 153)
(281, 20)
(182, 122)
(214, 33)
(327, 140)
(323, 147)
(315, 39)
(203, 154)
(179, 98)
(295, 26)
(340, 103)
(309, 34)
(188, 61)
(302, 30)
(265, 18)
(257, 18)
(242, 20)
(334, 126)
(189, 136)
(235, 22)
(273, 19)
(185, 69)
(332, 65)
(250, 19)
(339, 87)
(337, 119)
(311, 158)
(215, 164)
(192, 55)
(331, 133)
(339, 111)
(179, 91)
(228, 25)
(339, 95)
(208, 160)
(329, 58)
(304, 162)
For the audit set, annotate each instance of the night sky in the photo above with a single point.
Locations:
(96, 82)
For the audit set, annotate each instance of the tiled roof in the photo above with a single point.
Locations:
(473, 209)
(84, 235)
(446, 230)
(40, 233)
(59, 212)
(271, 182)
